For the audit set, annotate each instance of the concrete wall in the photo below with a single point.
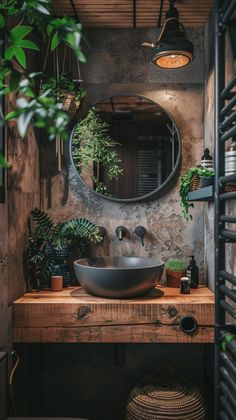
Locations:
(118, 64)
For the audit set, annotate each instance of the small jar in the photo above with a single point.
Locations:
(185, 285)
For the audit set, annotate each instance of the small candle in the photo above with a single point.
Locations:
(56, 283)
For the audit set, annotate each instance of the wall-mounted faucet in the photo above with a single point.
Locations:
(140, 232)
(121, 231)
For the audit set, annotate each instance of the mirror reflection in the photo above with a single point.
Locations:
(126, 148)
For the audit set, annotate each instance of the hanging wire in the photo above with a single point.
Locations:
(74, 10)
(160, 14)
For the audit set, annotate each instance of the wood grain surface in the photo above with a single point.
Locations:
(74, 316)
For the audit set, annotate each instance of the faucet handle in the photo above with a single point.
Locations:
(121, 232)
(140, 231)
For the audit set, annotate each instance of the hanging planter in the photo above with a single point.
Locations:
(64, 88)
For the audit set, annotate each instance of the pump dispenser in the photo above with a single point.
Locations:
(193, 273)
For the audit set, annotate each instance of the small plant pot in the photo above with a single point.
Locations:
(173, 277)
(206, 181)
(56, 283)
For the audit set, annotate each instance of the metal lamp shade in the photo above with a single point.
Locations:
(172, 49)
(173, 53)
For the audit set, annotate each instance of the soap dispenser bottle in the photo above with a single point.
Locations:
(206, 161)
(193, 273)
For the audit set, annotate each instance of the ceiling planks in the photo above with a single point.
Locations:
(120, 14)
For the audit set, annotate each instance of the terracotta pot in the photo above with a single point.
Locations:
(173, 277)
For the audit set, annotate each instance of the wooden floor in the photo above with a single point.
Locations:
(74, 316)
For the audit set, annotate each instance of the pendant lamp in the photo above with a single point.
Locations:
(172, 50)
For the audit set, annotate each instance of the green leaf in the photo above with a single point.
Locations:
(42, 9)
(13, 114)
(20, 56)
(3, 163)
(55, 41)
(20, 32)
(24, 43)
(9, 53)
(2, 21)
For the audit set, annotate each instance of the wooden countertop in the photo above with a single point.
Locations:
(74, 316)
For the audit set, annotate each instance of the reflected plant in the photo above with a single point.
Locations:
(91, 145)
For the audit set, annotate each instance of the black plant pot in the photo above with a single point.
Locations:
(206, 181)
(60, 257)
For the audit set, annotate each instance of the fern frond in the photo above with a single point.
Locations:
(80, 228)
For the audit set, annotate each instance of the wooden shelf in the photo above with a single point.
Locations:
(202, 194)
(74, 316)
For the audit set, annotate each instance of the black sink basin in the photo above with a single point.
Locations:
(118, 277)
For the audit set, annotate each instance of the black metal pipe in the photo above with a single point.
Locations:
(228, 196)
(228, 121)
(228, 308)
(227, 108)
(223, 416)
(228, 379)
(227, 392)
(219, 36)
(228, 219)
(228, 178)
(228, 292)
(228, 134)
(227, 408)
(228, 88)
(227, 276)
(229, 11)
(229, 363)
(228, 235)
(188, 324)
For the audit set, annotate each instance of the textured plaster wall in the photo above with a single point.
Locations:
(209, 208)
(117, 64)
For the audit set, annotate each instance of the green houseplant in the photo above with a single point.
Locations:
(33, 19)
(92, 145)
(185, 187)
(175, 269)
(50, 245)
(65, 90)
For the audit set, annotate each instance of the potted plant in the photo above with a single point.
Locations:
(65, 90)
(175, 269)
(93, 149)
(190, 181)
(51, 244)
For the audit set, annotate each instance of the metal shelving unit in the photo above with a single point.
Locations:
(225, 292)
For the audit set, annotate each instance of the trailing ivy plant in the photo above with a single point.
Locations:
(34, 17)
(91, 143)
(75, 232)
(185, 187)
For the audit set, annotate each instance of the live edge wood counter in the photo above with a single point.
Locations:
(73, 316)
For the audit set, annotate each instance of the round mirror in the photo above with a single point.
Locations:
(127, 148)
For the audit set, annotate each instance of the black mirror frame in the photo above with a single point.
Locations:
(158, 192)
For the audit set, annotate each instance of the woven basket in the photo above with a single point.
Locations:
(167, 399)
(195, 182)
(230, 188)
(69, 103)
